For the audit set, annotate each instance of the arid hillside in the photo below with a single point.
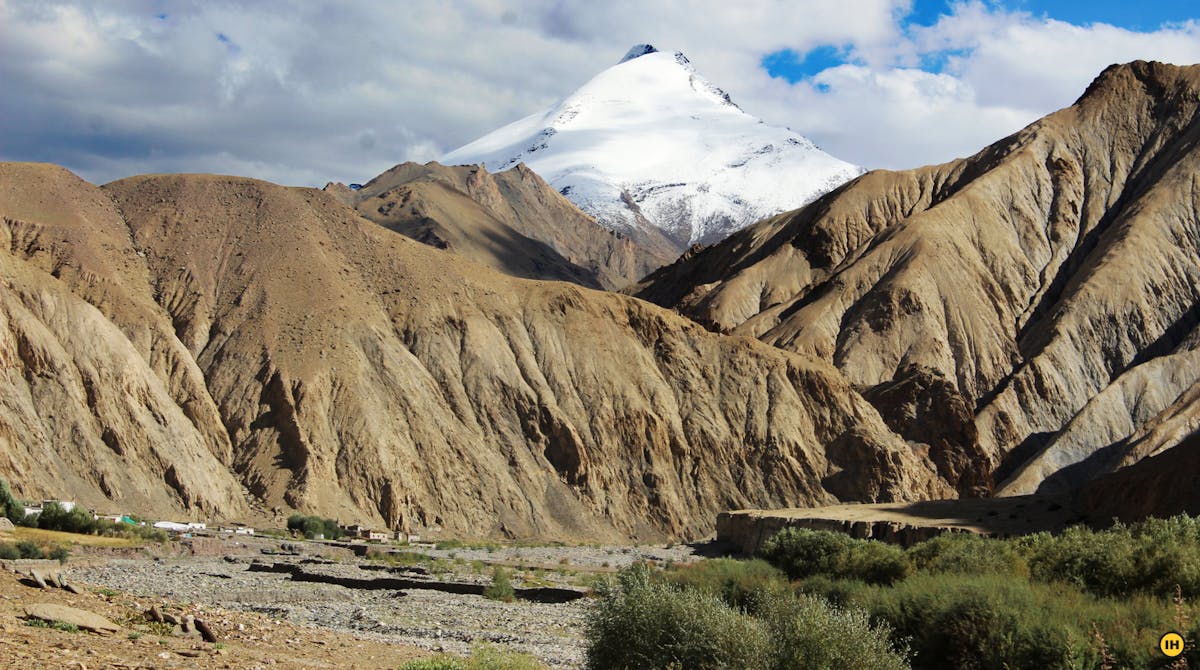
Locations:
(511, 221)
(199, 342)
(1038, 300)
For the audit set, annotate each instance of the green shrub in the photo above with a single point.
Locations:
(967, 553)
(59, 553)
(646, 623)
(1102, 563)
(501, 586)
(29, 549)
(875, 562)
(734, 581)
(807, 633)
(9, 551)
(998, 621)
(801, 552)
(9, 506)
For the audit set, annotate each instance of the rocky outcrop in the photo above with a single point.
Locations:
(909, 523)
(1051, 279)
(922, 406)
(194, 342)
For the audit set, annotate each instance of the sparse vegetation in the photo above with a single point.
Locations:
(56, 625)
(501, 586)
(483, 657)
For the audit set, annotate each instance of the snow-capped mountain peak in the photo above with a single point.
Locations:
(650, 145)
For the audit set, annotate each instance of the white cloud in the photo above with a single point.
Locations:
(320, 91)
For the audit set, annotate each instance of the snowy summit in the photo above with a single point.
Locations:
(649, 144)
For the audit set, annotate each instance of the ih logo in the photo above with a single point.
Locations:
(1171, 644)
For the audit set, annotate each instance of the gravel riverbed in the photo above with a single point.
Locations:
(425, 618)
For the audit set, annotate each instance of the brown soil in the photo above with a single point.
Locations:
(246, 640)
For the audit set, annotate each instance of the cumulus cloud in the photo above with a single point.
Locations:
(322, 91)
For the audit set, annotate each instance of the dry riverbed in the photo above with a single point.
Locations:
(427, 619)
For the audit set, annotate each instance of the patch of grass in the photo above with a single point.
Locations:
(43, 536)
(483, 657)
(56, 625)
(401, 558)
(134, 635)
(161, 628)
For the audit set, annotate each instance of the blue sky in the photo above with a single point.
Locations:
(344, 90)
(793, 66)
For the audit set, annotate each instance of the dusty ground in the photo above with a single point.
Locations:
(246, 640)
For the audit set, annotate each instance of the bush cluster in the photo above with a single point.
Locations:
(801, 552)
(1151, 557)
(311, 526)
(644, 620)
(1046, 601)
(29, 549)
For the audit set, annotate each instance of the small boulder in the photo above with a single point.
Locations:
(82, 619)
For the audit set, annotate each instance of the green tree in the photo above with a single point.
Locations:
(9, 506)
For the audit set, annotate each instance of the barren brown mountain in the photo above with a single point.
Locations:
(1039, 300)
(184, 342)
(511, 221)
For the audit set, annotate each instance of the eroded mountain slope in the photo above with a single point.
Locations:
(1052, 277)
(238, 334)
(511, 221)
